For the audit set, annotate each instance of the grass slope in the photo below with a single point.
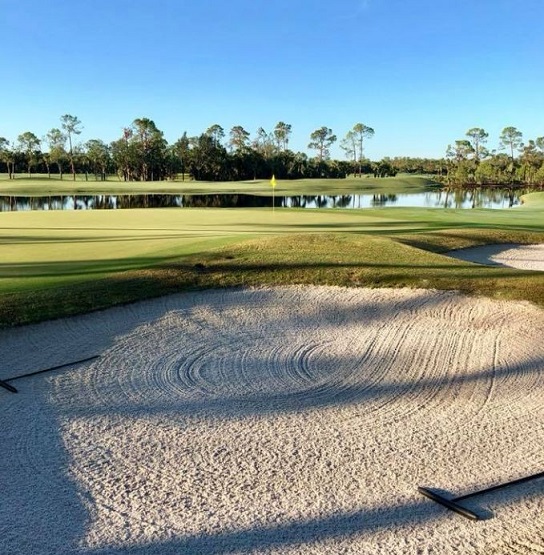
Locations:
(54, 264)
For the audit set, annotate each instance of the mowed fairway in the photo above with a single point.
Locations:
(64, 262)
(41, 185)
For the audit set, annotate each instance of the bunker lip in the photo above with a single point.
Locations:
(509, 255)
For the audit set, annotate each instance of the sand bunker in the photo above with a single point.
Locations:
(280, 421)
(522, 257)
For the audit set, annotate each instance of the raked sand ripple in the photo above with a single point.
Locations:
(288, 420)
(512, 255)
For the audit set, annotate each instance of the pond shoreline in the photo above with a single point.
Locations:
(459, 198)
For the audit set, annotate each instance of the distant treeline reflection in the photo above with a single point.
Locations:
(113, 202)
(454, 198)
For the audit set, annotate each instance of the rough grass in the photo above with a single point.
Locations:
(329, 259)
(54, 264)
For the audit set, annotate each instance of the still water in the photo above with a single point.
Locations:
(466, 199)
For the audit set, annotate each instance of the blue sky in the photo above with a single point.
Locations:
(420, 72)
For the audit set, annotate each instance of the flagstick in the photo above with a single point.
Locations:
(273, 183)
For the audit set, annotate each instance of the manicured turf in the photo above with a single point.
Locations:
(43, 186)
(58, 263)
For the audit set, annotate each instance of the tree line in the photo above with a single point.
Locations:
(513, 161)
(143, 154)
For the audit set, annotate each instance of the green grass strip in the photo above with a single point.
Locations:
(55, 264)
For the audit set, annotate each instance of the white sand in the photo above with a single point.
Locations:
(522, 257)
(280, 421)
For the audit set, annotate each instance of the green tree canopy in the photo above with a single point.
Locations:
(72, 126)
(216, 133)
(56, 140)
(98, 154)
(359, 133)
(239, 138)
(321, 140)
(29, 145)
(511, 139)
(478, 137)
(282, 132)
(7, 156)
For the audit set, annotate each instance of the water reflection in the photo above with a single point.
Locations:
(458, 198)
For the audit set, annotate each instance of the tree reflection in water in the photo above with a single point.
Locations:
(474, 197)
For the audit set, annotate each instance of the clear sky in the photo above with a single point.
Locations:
(420, 72)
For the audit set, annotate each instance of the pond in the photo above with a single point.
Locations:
(465, 199)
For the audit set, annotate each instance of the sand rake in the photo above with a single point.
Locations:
(453, 504)
(12, 389)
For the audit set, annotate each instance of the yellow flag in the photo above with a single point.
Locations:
(273, 181)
